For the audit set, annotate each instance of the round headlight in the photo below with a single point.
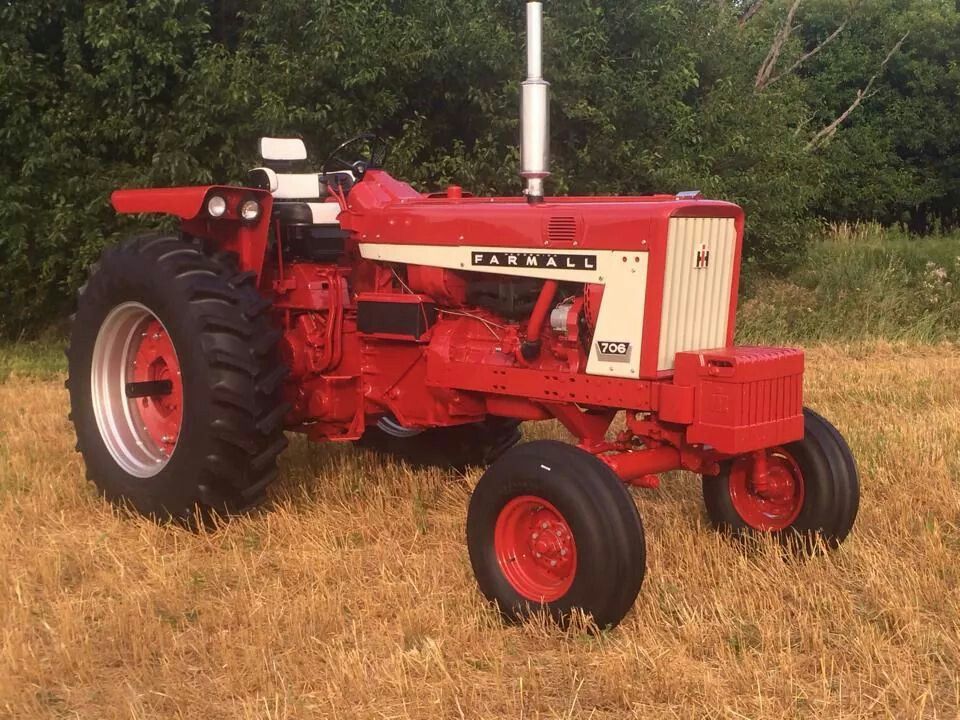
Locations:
(250, 210)
(216, 206)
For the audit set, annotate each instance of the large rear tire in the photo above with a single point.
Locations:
(551, 526)
(175, 381)
(811, 492)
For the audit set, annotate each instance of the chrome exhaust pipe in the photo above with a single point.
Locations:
(535, 110)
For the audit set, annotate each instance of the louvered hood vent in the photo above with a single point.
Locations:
(562, 229)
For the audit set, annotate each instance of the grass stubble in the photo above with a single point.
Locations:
(353, 596)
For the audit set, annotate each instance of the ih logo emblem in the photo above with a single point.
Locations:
(703, 258)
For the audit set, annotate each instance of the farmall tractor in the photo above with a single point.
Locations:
(343, 304)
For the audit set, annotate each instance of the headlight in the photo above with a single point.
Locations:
(250, 210)
(216, 206)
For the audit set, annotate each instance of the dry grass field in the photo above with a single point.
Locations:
(353, 596)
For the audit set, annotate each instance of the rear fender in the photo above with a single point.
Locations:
(247, 239)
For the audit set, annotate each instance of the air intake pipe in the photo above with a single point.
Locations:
(535, 110)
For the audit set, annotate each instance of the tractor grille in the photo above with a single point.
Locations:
(697, 286)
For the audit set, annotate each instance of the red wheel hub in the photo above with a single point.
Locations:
(766, 489)
(154, 359)
(535, 548)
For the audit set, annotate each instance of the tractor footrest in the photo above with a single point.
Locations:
(743, 398)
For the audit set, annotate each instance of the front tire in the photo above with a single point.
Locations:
(811, 493)
(174, 381)
(551, 526)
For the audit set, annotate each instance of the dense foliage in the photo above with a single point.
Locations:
(649, 95)
(858, 282)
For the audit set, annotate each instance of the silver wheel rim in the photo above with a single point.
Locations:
(120, 420)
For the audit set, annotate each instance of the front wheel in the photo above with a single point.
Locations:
(809, 492)
(551, 526)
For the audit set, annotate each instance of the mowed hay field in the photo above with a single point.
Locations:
(353, 596)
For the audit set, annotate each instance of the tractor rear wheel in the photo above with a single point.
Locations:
(552, 527)
(174, 381)
(811, 490)
(455, 447)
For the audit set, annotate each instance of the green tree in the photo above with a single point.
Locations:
(649, 95)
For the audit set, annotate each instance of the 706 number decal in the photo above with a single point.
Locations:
(613, 351)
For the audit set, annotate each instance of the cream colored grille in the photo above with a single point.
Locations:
(696, 291)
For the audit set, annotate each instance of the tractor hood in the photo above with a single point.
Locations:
(384, 210)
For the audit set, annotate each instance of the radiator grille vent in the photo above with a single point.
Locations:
(562, 229)
(697, 286)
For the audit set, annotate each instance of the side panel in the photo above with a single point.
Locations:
(616, 350)
(617, 339)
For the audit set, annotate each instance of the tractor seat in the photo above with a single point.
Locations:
(294, 193)
(306, 212)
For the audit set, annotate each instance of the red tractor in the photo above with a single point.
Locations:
(346, 305)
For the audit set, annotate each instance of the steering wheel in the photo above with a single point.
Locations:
(378, 155)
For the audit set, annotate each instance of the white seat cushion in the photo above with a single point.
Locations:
(292, 186)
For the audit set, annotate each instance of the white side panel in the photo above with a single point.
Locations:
(696, 300)
(624, 278)
(461, 257)
(621, 316)
(325, 213)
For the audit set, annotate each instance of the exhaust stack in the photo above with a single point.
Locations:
(535, 110)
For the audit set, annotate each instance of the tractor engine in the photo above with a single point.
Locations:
(413, 287)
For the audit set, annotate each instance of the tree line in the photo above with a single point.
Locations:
(799, 110)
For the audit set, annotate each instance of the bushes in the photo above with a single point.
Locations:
(655, 95)
(855, 282)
